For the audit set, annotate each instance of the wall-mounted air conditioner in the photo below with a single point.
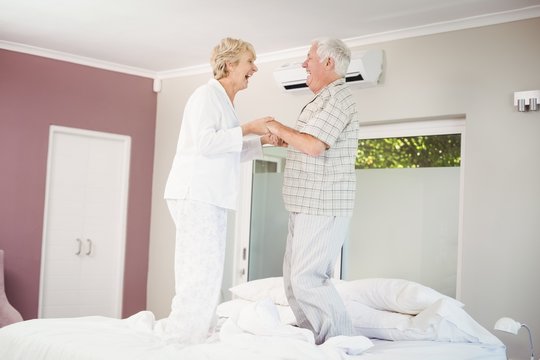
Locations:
(364, 70)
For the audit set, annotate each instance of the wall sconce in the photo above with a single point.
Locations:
(512, 326)
(527, 100)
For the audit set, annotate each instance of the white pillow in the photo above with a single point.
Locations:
(259, 289)
(451, 321)
(379, 324)
(380, 308)
(397, 295)
(443, 321)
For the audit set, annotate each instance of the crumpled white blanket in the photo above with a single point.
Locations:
(254, 334)
(261, 320)
(257, 330)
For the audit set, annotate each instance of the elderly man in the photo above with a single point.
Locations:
(319, 189)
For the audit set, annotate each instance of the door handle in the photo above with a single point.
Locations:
(89, 242)
(80, 246)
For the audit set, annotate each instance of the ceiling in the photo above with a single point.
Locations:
(153, 37)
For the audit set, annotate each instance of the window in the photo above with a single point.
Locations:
(406, 220)
(409, 152)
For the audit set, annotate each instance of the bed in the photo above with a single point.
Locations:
(395, 319)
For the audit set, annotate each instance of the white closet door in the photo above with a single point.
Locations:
(85, 224)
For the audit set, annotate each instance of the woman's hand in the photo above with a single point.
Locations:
(257, 126)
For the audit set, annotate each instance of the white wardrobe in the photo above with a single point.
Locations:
(84, 231)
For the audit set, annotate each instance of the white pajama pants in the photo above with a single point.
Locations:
(313, 246)
(201, 231)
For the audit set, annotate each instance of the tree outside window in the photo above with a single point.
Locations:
(409, 152)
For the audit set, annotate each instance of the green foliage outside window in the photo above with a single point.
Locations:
(409, 152)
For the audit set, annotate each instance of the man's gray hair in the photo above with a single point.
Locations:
(337, 50)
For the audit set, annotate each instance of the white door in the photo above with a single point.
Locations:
(82, 265)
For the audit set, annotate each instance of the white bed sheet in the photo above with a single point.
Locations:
(432, 350)
(254, 334)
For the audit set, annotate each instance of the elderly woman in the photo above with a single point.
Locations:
(203, 184)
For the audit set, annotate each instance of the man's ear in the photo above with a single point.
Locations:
(330, 63)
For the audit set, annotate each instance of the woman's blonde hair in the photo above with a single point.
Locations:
(228, 50)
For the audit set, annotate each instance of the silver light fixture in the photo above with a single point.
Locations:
(527, 100)
(533, 104)
(511, 326)
(521, 105)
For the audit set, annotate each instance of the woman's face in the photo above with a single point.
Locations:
(241, 72)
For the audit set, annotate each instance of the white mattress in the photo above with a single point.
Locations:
(100, 338)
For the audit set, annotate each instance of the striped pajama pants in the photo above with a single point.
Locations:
(313, 246)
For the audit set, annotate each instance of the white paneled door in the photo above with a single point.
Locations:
(82, 265)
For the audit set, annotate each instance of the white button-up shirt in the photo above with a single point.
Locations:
(210, 147)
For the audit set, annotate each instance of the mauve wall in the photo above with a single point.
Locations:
(36, 92)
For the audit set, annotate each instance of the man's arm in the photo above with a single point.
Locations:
(305, 143)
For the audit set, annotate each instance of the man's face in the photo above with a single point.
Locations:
(315, 70)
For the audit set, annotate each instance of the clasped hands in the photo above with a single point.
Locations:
(269, 127)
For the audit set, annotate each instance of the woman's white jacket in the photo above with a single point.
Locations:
(206, 165)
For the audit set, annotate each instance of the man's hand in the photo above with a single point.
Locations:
(273, 140)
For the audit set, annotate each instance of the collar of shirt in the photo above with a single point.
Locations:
(217, 85)
(337, 82)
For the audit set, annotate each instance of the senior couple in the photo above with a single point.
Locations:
(318, 188)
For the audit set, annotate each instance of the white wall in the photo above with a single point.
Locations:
(472, 72)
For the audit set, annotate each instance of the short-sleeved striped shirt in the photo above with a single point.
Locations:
(325, 184)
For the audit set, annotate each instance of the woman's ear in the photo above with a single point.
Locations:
(230, 66)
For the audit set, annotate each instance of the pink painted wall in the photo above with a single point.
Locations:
(36, 92)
